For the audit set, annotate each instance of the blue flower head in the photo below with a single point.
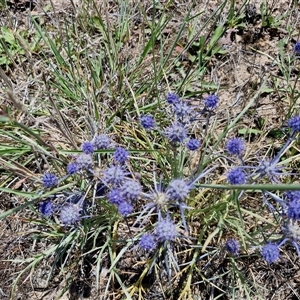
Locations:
(113, 175)
(172, 98)
(294, 123)
(115, 197)
(297, 48)
(147, 242)
(84, 161)
(193, 144)
(88, 147)
(235, 146)
(49, 180)
(70, 214)
(211, 101)
(270, 253)
(125, 208)
(176, 133)
(292, 195)
(46, 208)
(72, 168)
(178, 190)
(147, 122)
(232, 246)
(181, 109)
(236, 176)
(121, 155)
(102, 141)
(166, 230)
(131, 190)
(293, 209)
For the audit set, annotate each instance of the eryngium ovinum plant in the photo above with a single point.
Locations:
(168, 220)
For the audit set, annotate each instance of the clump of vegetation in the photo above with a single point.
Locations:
(131, 171)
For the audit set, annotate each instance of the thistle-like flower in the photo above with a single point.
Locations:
(70, 213)
(88, 147)
(147, 242)
(121, 155)
(102, 141)
(148, 122)
(235, 146)
(193, 144)
(46, 208)
(236, 176)
(114, 175)
(176, 133)
(166, 230)
(270, 253)
(49, 180)
(232, 246)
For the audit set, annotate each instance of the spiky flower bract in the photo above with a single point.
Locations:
(114, 175)
(166, 230)
(131, 190)
(121, 155)
(176, 133)
(49, 180)
(236, 176)
(87, 147)
(232, 246)
(193, 144)
(70, 214)
(172, 98)
(46, 208)
(235, 146)
(147, 122)
(211, 101)
(270, 253)
(178, 190)
(147, 242)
